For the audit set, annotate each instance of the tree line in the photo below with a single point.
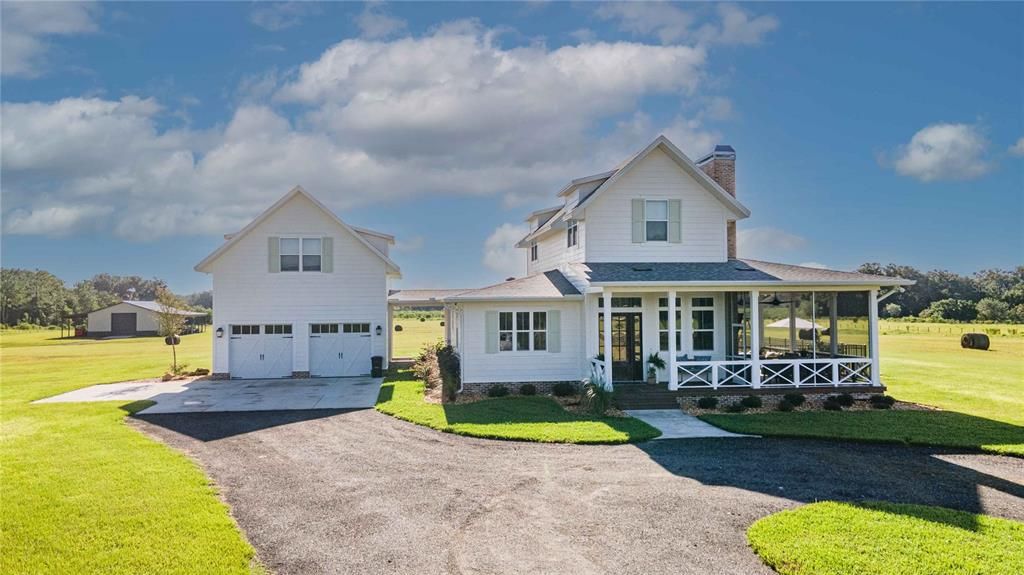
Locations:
(38, 297)
(989, 295)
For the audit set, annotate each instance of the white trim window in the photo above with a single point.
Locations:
(572, 233)
(663, 324)
(522, 331)
(300, 254)
(702, 313)
(533, 251)
(656, 220)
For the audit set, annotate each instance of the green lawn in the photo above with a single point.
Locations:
(516, 418)
(981, 393)
(831, 538)
(414, 335)
(85, 493)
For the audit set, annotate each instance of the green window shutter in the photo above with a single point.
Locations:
(327, 255)
(638, 221)
(675, 231)
(274, 257)
(491, 329)
(554, 331)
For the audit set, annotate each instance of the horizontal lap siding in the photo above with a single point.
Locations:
(245, 291)
(703, 221)
(553, 252)
(511, 366)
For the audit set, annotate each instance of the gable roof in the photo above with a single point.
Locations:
(543, 286)
(746, 272)
(296, 191)
(415, 297)
(151, 306)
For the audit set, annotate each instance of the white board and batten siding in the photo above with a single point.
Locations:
(702, 223)
(481, 366)
(249, 293)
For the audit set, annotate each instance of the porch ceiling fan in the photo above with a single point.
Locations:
(774, 301)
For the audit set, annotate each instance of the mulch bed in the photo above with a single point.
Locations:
(812, 406)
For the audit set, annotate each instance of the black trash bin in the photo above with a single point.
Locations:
(377, 366)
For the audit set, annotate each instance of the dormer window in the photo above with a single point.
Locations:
(571, 234)
(656, 220)
(533, 251)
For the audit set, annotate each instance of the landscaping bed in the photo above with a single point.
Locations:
(886, 538)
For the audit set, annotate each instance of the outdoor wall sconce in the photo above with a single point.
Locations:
(220, 332)
(379, 330)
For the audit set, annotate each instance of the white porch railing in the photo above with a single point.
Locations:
(795, 373)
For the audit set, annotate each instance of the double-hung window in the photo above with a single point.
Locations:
(663, 332)
(533, 251)
(656, 215)
(522, 331)
(572, 234)
(300, 254)
(702, 310)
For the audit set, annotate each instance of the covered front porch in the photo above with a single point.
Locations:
(720, 338)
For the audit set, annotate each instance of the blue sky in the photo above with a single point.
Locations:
(136, 134)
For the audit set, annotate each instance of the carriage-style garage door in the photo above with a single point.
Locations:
(339, 349)
(260, 351)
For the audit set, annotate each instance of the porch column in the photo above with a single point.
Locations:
(833, 325)
(792, 323)
(607, 351)
(673, 373)
(755, 338)
(876, 378)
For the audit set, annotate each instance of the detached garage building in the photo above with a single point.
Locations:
(300, 293)
(129, 318)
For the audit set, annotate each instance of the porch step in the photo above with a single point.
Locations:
(644, 396)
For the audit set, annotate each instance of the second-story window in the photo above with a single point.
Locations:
(571, 234)
(656, 213)
(533, 252)
(300, 254)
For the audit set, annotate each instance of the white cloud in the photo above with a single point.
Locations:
(1018, 148)
(944, 152)
(410, 244)
(500, 253)
(275, 16)
(53, 220)
(28, 26)
(375, 23)
(720, 108)
(767, 243)
(669, 23)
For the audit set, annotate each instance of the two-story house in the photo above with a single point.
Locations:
(641, 260)
(300, 293)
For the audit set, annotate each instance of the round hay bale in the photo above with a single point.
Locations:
(398, 328)
(974, 341)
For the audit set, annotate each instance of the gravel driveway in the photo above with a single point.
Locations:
(359, 492)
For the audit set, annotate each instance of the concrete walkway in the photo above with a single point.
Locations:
(205, 395)
(674, 424)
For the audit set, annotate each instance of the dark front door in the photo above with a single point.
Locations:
(122, 323)
(627, 346)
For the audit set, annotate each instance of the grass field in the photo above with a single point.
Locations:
(516, 418)
(982, 393)
(414, 335)
(85, 493)
(832, 538)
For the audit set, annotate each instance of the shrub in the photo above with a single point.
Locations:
(844, 399)
(784, 406)
(497, 391)
(423, 319)
(448, 364)
(595, 399)
(563, 389)
(427, 367)
(527, 389)
(735, 408)
(751, 401)
(832, 405)
(707, 402)
(795, 399)
(879, 401)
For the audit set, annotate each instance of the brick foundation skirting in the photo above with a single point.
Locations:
(543, 387)
(300, 374)
(220, 376)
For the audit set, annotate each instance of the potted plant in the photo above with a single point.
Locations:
(654, 363)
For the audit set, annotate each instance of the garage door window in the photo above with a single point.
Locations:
(245, 330)
(277, 329)
(318, 328)
(355, 327)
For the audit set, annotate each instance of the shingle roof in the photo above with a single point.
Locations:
(725, 272)
(548, 285)
(421, 296)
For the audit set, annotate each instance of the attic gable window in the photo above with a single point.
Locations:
(656, 220)
(533, 251)
(301, 254)
(571, 234)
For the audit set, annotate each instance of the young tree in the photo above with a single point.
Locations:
(892, 310)
(991, 309)
(170, 322)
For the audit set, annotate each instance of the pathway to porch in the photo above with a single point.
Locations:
(674, 424)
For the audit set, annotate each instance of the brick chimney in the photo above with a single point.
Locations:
(721, 166)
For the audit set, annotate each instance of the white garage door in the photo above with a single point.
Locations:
(339, 349)
(260, 351)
